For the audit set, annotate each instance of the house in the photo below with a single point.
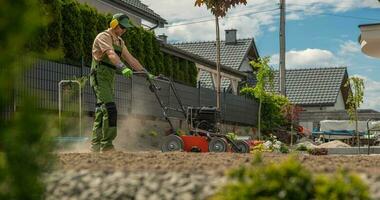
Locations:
(140, 13)
(316, 88)
(235, 54)
(319, 91)
(201, 62)
(369, 39)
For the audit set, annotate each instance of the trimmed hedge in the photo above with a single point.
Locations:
(73, 27)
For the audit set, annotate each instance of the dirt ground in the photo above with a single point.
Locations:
(207, 162)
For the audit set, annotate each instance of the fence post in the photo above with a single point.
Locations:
(199, 93)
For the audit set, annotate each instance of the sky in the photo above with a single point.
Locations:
(319, 33)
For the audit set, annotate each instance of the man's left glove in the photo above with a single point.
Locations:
(127, 73)
(150, 76)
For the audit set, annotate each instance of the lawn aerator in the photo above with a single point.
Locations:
(204, 134)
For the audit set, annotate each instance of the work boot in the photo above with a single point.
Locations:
(95, 148)
(107, 149)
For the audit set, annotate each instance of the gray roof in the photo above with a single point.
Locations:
(315, 86)
(142, 8)
(205, 80)
(232, 55)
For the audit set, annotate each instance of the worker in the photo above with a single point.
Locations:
(108, 51)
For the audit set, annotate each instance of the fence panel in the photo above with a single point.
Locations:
(132, 95)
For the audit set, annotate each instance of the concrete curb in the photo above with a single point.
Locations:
(353, 150)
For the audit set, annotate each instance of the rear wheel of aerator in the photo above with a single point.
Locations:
(217, 145)
(242, 145)
(172, 143)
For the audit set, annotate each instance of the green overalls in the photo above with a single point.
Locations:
(102, 80)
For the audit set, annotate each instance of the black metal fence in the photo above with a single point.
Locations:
(132, 95)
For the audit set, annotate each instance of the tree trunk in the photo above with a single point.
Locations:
(218, 81)
(356, 128)
(259, 120)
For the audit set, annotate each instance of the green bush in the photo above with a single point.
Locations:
(289, 180)
(157, 57)
(72, 27)
(168, 63)
(54, 39)
(340, 186)
(89, 29)
(318, 151)
(302, 148)
(148, 52)
(24, 142)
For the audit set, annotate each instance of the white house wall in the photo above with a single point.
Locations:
(339, 105)
(245, 65)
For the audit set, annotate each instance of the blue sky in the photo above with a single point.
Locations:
(320, 33)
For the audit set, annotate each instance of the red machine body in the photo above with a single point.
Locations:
(195, 143)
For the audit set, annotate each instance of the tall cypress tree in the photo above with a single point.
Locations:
(90, 30)
(148, 52)
(72, 28)
(157, 56)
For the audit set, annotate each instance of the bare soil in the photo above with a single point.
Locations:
(156, 161)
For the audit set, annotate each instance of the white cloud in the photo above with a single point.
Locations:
(253, 21)
(308, 58)
(371, 94)
(349, 47)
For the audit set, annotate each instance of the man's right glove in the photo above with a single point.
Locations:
(127, 73)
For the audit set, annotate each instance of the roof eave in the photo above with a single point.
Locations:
(316, 104)
(138, 12)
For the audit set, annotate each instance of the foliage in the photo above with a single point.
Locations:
(317, 151)
(73, 27)
(270, 104)
(231, 136)
(89, 30)
(272, 112)
(24, 146)
(301, 148)
(219, 8)
(341, 185)
(355, 98)
(289, 180)
(264, 77)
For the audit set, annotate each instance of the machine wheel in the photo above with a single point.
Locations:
(217, 145)
(172, 143)
(242, 145)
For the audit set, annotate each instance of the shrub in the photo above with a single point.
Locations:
(24, 144)
(341, 185)
(89, 29)
(318, 151)
(289, 180)
(301, 148)
(72, 28)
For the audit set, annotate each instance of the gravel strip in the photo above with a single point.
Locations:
(103, 185)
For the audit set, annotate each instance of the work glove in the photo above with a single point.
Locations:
(150, 76)
(127, 73)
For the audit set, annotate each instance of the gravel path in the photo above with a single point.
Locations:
(156, 175)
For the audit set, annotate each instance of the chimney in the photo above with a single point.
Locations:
(163, 38)
(231, 36)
